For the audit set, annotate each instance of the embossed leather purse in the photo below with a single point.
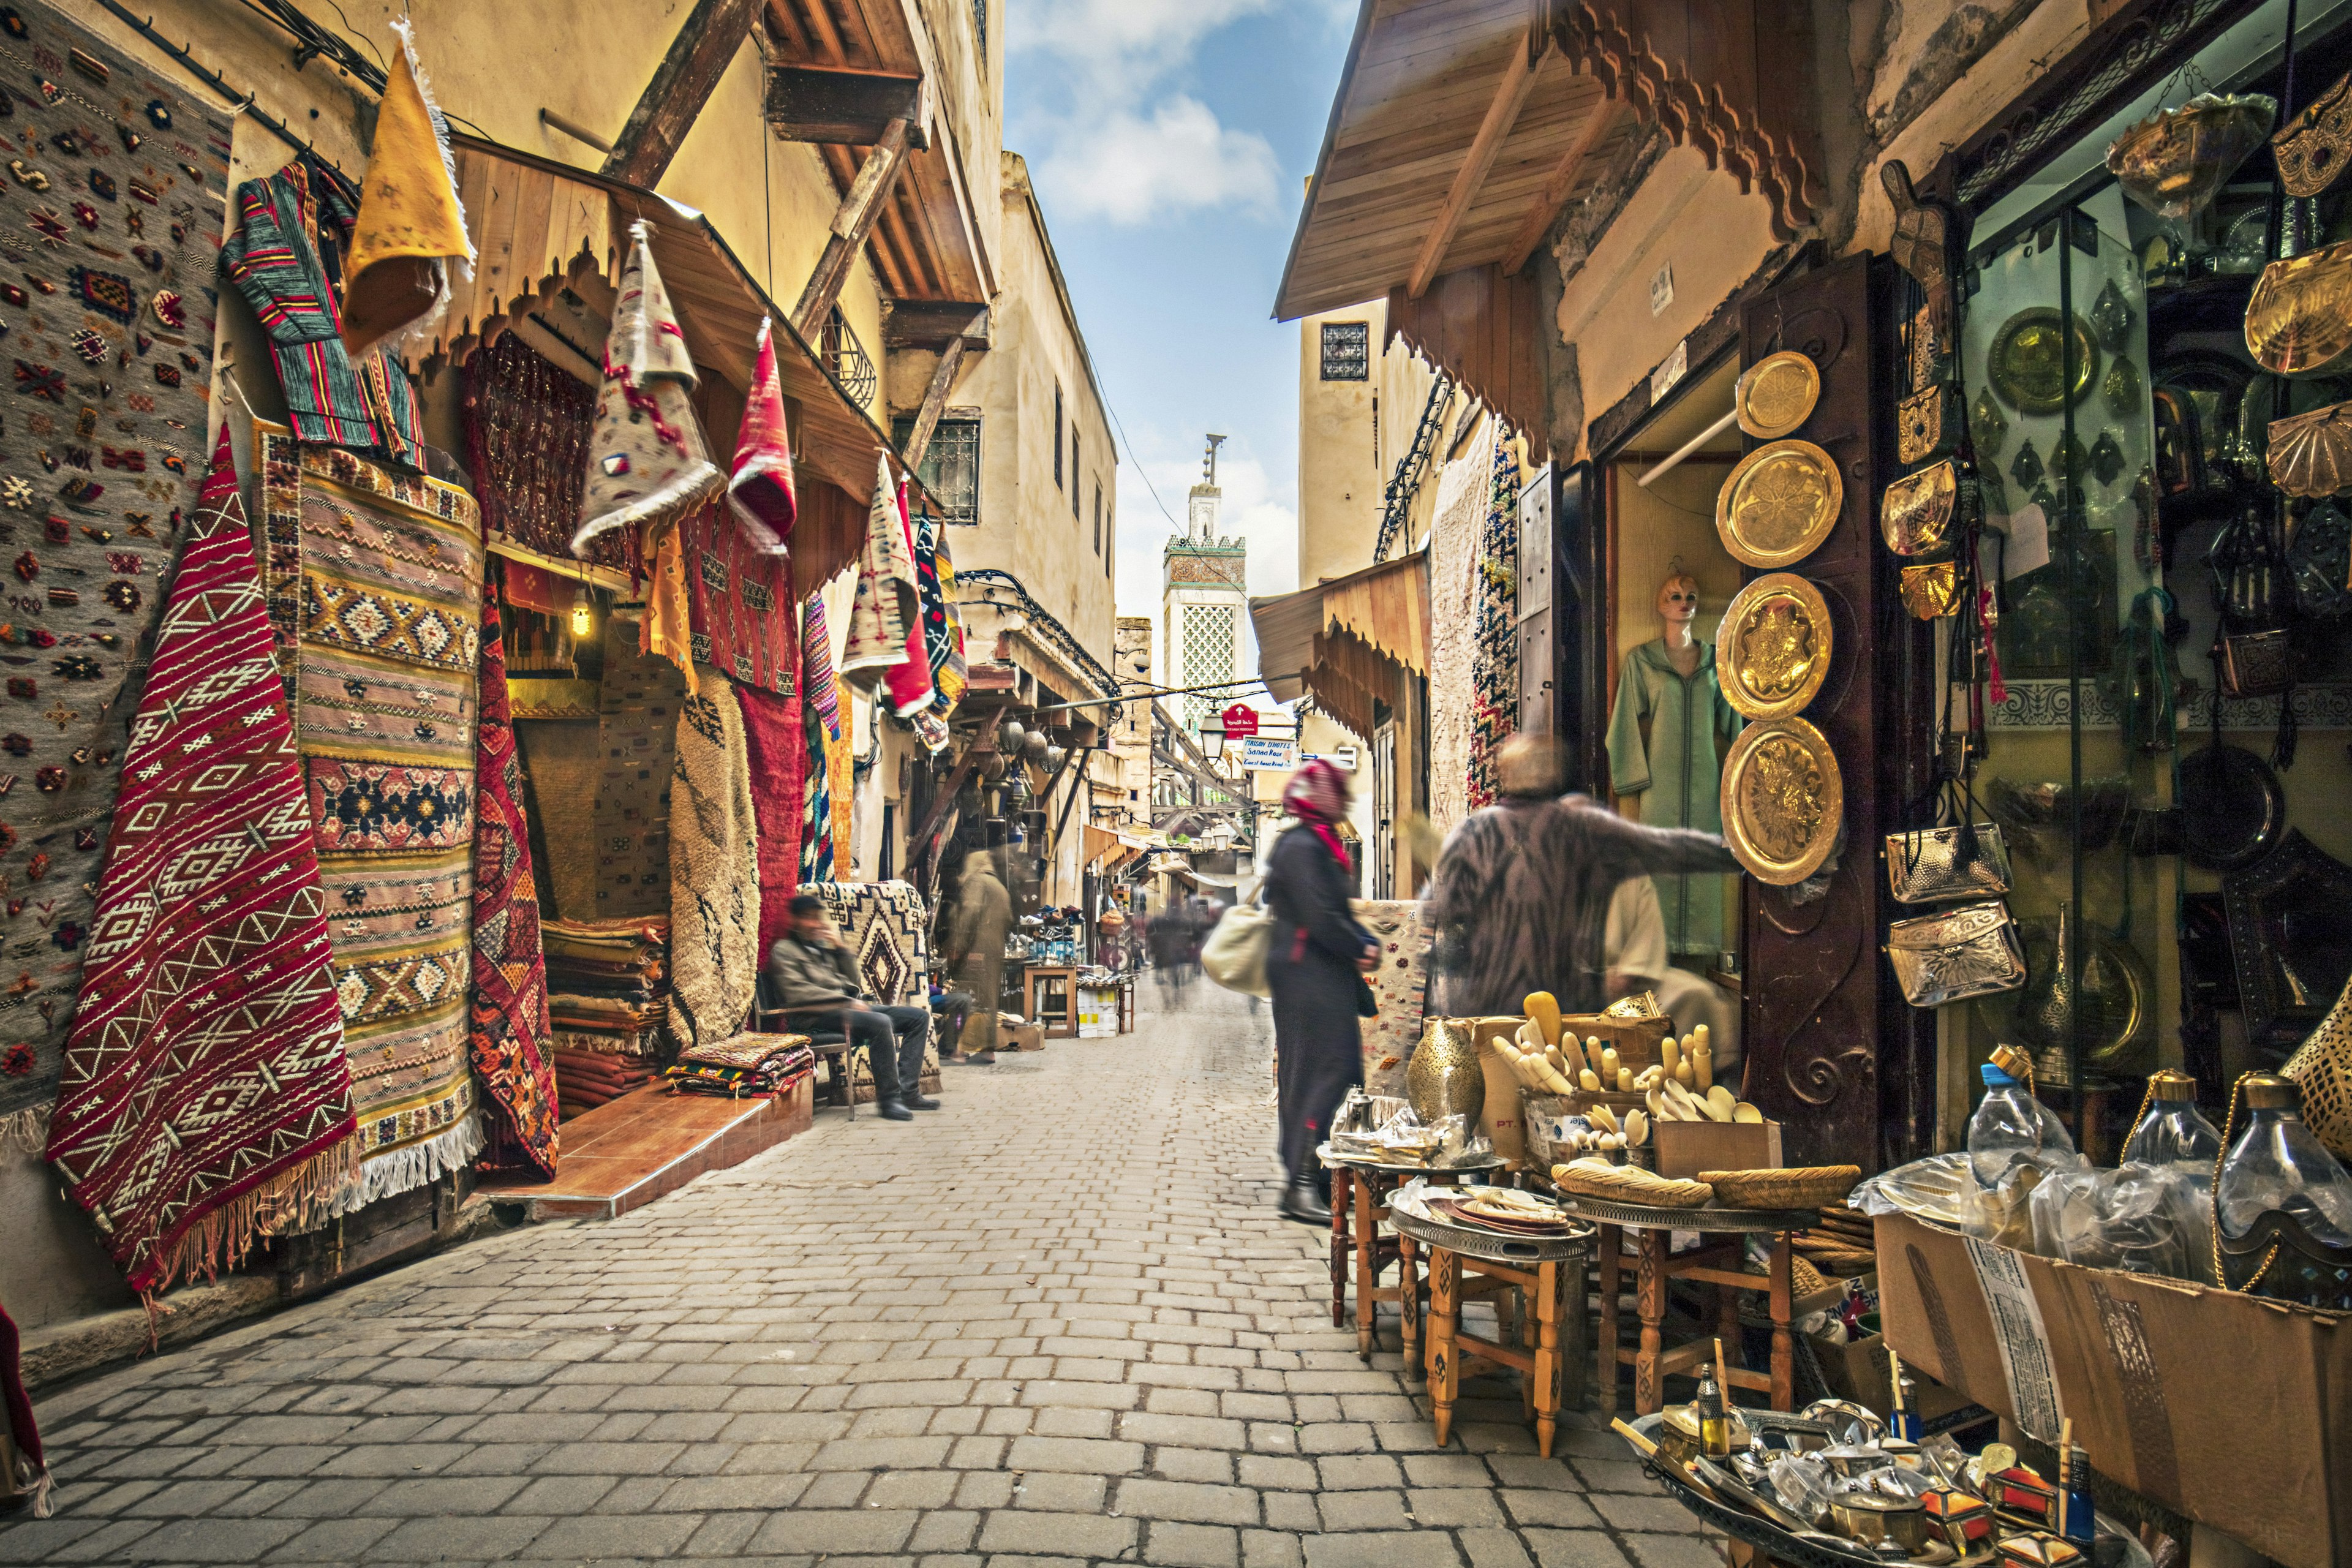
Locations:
(1916, 514)
(2297, 324)
(1963, 860)
(1928, 424)
(2316, 143)
(1933, 591)
(1969, 949)
(2257, 664)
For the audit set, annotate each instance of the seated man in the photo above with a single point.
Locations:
(817, 984)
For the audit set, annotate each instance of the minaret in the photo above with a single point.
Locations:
(1203, 601)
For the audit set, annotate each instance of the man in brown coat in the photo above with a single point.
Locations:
(976, 932)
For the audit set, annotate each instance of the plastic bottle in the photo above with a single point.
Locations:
(2174, 1134)
(2009, 1127)
(2278, 1164)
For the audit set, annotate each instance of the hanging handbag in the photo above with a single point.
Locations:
(1235, 954)
(1916, 516)
(1969, 949)
(2257, 664)
(1928, 424)
(1953, 860)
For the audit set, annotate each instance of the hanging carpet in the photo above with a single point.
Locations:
(777, 740)
(636, 730)
(205, 1081)
(824, 799)
(1495, 651)
(509, 1037)
(908, 682)
(888, 927)
(389, 598)
(742, 616)
(714, 891)
(110, 337)
(887, 608)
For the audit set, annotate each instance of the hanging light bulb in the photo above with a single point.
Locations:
(584, 612)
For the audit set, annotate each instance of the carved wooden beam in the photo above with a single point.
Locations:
(845, 108)
(935, 402)
(1556, 184)
(682, 84)
(851, 225)
(1502, 112)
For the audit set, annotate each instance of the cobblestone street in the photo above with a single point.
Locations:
(1056, 1321)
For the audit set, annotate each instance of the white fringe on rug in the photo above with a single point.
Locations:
(388, 1175)
(27, 1130)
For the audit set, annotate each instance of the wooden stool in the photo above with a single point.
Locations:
(1549, 1274)
(1719, 1265)
(1359, 1190)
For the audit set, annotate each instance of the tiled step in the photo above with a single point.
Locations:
(649, 1143)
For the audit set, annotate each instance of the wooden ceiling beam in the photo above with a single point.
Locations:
(682, 84)
(846, 107)
(1557, 184)
(1510, 93)
(851, 227)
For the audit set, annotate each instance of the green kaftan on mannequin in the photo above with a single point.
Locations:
(1667, 743)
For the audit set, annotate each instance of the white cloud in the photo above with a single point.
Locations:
(1118, 140)
(1132, 170)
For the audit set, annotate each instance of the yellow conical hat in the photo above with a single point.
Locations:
(411, 223)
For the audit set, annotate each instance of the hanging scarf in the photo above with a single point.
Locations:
(1317, 796)
(821, 718)
(909, 681)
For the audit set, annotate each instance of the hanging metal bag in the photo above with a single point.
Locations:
(1954, 859)
(1969, 949)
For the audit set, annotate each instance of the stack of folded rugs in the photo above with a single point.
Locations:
(744, 1066)
(608, 1000)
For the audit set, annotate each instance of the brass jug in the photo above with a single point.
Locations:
(1444, 1077)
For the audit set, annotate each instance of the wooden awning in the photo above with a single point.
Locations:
(1462, 127)
(1481, 327)
(1349, 643)
(553, 240)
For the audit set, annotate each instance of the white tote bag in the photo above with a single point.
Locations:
(1235, 954)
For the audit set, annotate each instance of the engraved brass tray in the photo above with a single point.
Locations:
(1779, 505)
(1777, 393)
(1783, 799)
(2299, 321)
(1773, 651)
(2027, 362)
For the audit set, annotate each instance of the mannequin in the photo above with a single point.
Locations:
(1667, 742)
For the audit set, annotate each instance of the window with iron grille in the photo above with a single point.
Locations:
(1347, 350)
(1208, 655)
(950, 466)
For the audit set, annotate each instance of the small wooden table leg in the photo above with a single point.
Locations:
(1367, 1265)
(1445, 1320)
(1650, 1300)
(1784, 1363)
(1545, 1377)
(1611, 1240)
(1409, 1304)
(1342, 1181)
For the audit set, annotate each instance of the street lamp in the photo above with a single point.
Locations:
(1212, 736)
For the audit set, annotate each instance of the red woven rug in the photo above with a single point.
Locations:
(204, 1079)
(509, 1037)
(771, 733)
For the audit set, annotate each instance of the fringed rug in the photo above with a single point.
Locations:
(778, 744)
(387, 643)
(887, 609)
(714, 924)
(1494, 653)
(509, 1037)
(822, 701)
(742, 615)
(205, 1081)
(1400, 989)
(100, 448)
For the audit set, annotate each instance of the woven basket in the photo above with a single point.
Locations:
(1805, 1188)
(1804, 1280)
(1631, 1185)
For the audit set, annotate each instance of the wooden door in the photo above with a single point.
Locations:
(1832, 1050)
(1384, 811)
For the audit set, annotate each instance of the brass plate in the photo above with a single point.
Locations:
(1783, 799)
(1779, 505)
(1777, 393)
(2299, 321)
(1773, 652)
(1915, 514)
(2026, 365)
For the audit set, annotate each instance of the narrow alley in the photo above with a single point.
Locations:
(1100, 1347)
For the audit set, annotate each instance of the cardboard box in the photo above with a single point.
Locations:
(1636, 1039)
(1857, 1370)
(2234, 1410)
(1687, 1148)
(1019, 1036)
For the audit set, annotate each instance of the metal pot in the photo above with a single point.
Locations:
(1033, 746)
(1008, 736)
(1871, 1517)
(1053, 755)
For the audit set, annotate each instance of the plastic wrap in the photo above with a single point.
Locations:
(2145, 1219)
(1933, 1189)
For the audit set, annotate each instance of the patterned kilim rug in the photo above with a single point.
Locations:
(636, 727)
(888, 927)
(509, 1037)
(1400, 989)
(742, 610)
(1495, 655)
(387, 643)
(714, 890)
(204, 1082)
(101, 446)
(774, 734)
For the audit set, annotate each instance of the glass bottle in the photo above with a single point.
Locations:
(1714, 1421)
(2173, 1132)
(2277, 1165)
(2011, 1127)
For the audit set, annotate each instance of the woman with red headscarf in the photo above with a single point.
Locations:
(1312, 967)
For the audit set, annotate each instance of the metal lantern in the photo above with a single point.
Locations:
(1008, 736)
(1033, 746)
(1053, 755)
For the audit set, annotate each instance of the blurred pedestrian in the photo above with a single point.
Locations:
(976, 932)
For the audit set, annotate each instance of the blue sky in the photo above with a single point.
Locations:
(1169, 140)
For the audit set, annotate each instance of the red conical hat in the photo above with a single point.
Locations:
(763, 480)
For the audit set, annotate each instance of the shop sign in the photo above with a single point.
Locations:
(1661, 289)
(1663, 379)
(1270, 755)
(1240, 721)
(1344, 759)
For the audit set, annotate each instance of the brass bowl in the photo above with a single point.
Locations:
(2174, 161)
(1778, 504)
(1871, 1517)
(2027, 363)
(1783, 800)
(1773, 652)
(1777, 393)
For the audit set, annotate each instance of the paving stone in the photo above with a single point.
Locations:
(1060, 1493)
(1358, 1471)
(1076, 1454)
(1575, 1549)
(833, 1531)
(1212, 1464)
(651, 1535)
(1189, 1502)
(1270, 1549)
(488, 1540)
(1078, 1535)
(1387, 1549)
(334, 1541)
(214, 1540)
(1191, 1545)
(1495, 1549)
(1445, 1506)
(1364, 1510)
